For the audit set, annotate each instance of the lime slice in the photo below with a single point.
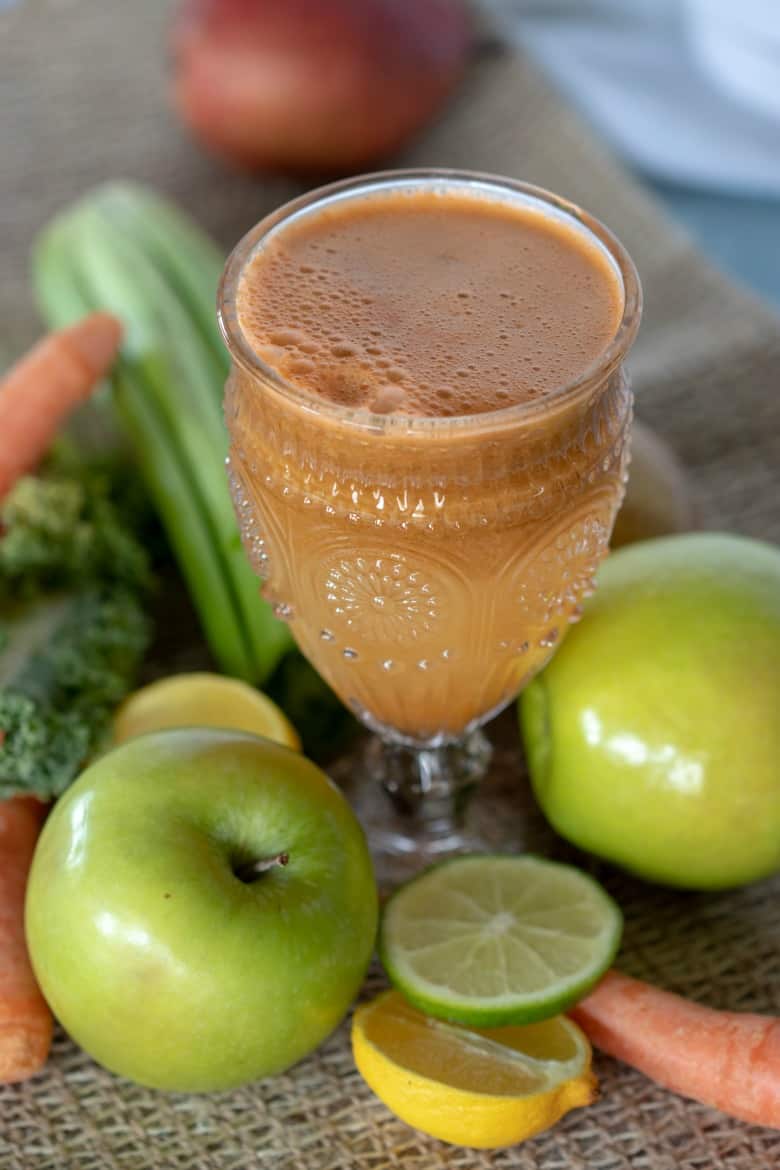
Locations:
(488, 940)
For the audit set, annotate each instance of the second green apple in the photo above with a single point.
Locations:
(653, 736)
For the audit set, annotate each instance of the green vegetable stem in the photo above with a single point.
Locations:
(124, 249)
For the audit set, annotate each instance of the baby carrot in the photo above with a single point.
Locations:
(46, 385)
(25, 1020)
(730, 1060)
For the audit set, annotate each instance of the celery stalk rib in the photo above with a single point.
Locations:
(191, 265)
(165, 473)
(190, 398)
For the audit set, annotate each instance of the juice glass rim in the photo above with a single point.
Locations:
(495, 186)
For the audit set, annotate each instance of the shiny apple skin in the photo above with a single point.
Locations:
(155, 956)
(653, 735)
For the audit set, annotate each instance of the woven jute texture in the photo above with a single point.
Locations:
(82, 99)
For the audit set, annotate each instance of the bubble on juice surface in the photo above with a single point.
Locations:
(387, 399)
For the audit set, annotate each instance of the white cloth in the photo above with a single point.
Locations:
(687, 90)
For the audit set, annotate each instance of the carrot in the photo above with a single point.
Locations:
(46, 385)
(730, 1060)
(25, 1020)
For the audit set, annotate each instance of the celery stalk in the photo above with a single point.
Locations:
(103, 253)
(189, 396)
(163, 464)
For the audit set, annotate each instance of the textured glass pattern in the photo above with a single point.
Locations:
(427, 573)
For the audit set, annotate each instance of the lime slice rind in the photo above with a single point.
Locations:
(491, 968)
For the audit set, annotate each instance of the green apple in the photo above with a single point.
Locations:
(653, 735)
(201, 909)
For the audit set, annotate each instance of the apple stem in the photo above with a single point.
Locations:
(254, 869)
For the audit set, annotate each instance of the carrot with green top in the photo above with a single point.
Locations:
(46, 385)
(729, 1060)
(25, 1020)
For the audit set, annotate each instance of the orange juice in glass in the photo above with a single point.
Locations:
(429, 421)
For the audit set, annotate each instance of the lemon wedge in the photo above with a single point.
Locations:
(203, 700)
(477, 1087)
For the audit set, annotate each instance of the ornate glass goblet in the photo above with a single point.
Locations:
(428, 566)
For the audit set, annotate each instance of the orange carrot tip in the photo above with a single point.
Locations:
(728, 1060)
(46, 385)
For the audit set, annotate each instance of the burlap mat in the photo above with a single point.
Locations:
(82, 99)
